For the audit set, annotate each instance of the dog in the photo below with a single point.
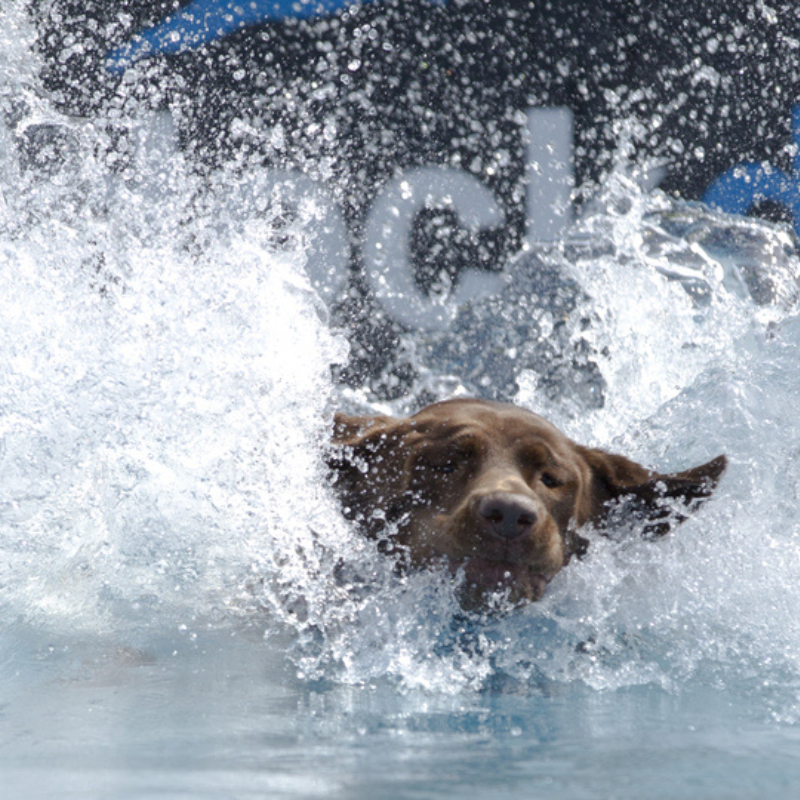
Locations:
(497, 493)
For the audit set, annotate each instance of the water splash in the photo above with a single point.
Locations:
(693, 362)
(164, 384)
(165, 392)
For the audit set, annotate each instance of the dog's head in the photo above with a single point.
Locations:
(497, 491)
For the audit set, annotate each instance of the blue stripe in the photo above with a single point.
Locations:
(204, 21)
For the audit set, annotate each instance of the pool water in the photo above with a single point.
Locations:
(187, 614)
(223, 716)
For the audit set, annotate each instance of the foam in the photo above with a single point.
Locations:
(165, 394)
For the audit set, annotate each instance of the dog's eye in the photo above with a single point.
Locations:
(550, 480)
(446, 469)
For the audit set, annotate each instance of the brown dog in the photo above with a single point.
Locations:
(497, 491)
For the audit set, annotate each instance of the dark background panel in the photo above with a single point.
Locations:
(353, 97)
(412, 82)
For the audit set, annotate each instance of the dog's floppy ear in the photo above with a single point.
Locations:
(366, 459)
(624, 491)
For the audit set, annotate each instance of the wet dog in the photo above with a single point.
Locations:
(498, 492)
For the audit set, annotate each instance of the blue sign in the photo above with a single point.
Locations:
(744, 186)
(203, 21)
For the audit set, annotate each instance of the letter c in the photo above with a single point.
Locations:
(388, 232)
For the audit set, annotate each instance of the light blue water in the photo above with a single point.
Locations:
(223, 717)
(175, 619)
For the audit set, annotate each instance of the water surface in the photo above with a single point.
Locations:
(186, 613)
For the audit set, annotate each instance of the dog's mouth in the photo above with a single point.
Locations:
(484, 576)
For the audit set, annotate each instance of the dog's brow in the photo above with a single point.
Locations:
(441, 431)
(464, 438)
(451, 438)
(536, 452)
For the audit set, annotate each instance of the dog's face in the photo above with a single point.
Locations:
(494, 490)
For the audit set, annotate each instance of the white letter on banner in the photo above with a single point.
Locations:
(548, 174)
(388, 235)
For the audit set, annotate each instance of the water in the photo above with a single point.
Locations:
(185, 612)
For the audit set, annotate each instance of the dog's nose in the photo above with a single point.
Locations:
(508, 516)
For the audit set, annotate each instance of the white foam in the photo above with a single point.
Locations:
(164, 397)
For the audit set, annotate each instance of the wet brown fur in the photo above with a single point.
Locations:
(498, 492)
